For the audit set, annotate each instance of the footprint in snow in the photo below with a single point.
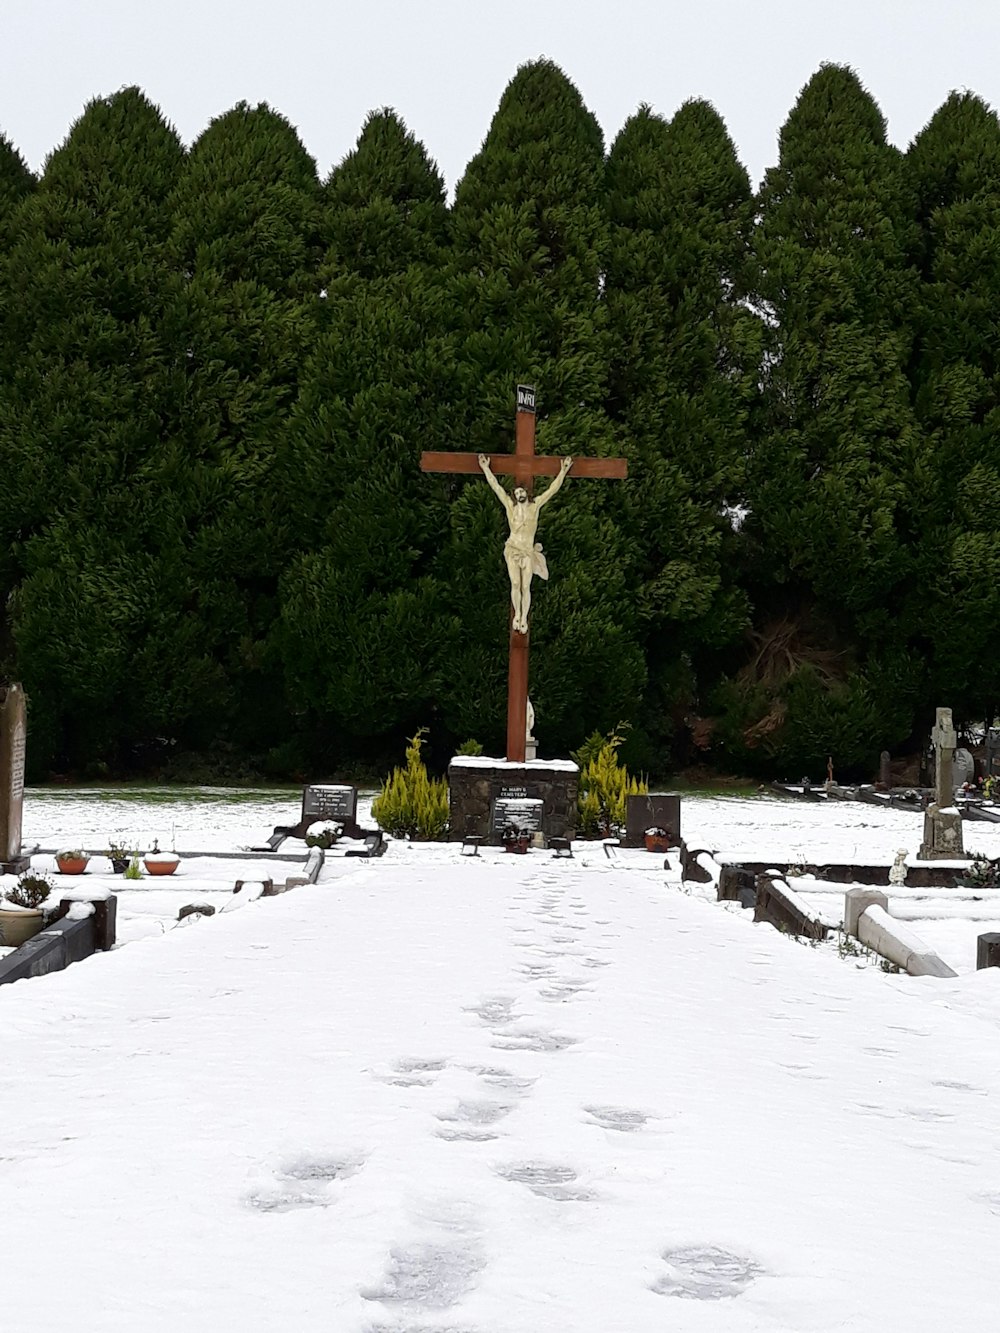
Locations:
(428, 1275)
(548, 1180)
(532, 1041)
(705, 1273)
(412, 1072)
(477, 1113)
(495, 1009)
(304, 1182)
(621, 1118)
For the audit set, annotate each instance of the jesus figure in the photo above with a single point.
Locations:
(523, 554)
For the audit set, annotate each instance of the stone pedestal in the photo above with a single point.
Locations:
(942, 835)
(13, 736)
(475, 783)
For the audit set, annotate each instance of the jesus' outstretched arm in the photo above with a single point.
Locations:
(502, 495)
(547, 495)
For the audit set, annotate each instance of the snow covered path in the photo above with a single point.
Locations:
(511, 1096)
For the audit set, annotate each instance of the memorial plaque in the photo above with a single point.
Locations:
(654, 810)
(13, 738)
(337, 805)
(519, 812)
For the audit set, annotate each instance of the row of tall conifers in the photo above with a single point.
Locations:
(217, 372)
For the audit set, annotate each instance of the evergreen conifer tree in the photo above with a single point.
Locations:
(683, 365)
(85, 392)
(954, 167)
(530, 245)
(15, 179)
(384, 204)
(836, 442)
(246, 239)
(358, 629)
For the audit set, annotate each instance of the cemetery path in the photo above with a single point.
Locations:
(513, 1095)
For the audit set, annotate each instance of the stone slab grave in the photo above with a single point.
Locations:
(476, 784)
(13, 740)
(652, 810)
(322, 802)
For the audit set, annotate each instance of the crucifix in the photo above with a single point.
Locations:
(523, 555)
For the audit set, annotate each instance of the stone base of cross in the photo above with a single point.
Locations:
(524, 465)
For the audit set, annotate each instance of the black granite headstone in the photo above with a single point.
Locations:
(654, 810)
(333, 804)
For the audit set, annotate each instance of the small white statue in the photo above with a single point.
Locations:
(523, 554)
(897, 875)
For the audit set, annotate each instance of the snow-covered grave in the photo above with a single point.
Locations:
(499, 1095)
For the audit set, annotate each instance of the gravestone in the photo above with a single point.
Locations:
(329, 804)
(942, 821)
(988, 950)
(652, 810)
(963, 767)
(13, 740)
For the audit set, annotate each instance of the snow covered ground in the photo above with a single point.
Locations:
(506, 1095)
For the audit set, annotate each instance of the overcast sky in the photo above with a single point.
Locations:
(443, 64)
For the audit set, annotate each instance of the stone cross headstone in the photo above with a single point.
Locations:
(942, 822)
(13, 739)
(945, 740)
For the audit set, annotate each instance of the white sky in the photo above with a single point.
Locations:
(443, 64)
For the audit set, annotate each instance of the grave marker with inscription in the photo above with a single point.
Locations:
(337, 805)
(13, 741)
(942, 821)
(513, 808)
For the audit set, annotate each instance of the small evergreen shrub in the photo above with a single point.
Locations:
(412, 804)
(604, 785)
(470, 747)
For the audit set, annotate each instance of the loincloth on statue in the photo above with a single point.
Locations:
(534, 558)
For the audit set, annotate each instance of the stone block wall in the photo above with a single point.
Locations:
(473, 787)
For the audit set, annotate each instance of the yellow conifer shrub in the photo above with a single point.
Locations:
(604, 785)
(411, 803)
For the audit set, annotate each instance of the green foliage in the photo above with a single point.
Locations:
(325, 838)
(132, 870)
(30, 891)
(412, 804)
(469, 747)
(982, 873)
(604, 785)
(217, 376)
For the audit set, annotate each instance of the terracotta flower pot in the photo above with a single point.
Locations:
(517, 845)
(71, 865)
(19, 925)
(657, 843)
(160, 863)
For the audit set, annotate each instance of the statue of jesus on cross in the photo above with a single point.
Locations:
(523, 554)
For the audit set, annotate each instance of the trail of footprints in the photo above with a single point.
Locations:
(427, 1278)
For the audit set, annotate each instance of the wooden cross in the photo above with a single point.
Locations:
(523, 465)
